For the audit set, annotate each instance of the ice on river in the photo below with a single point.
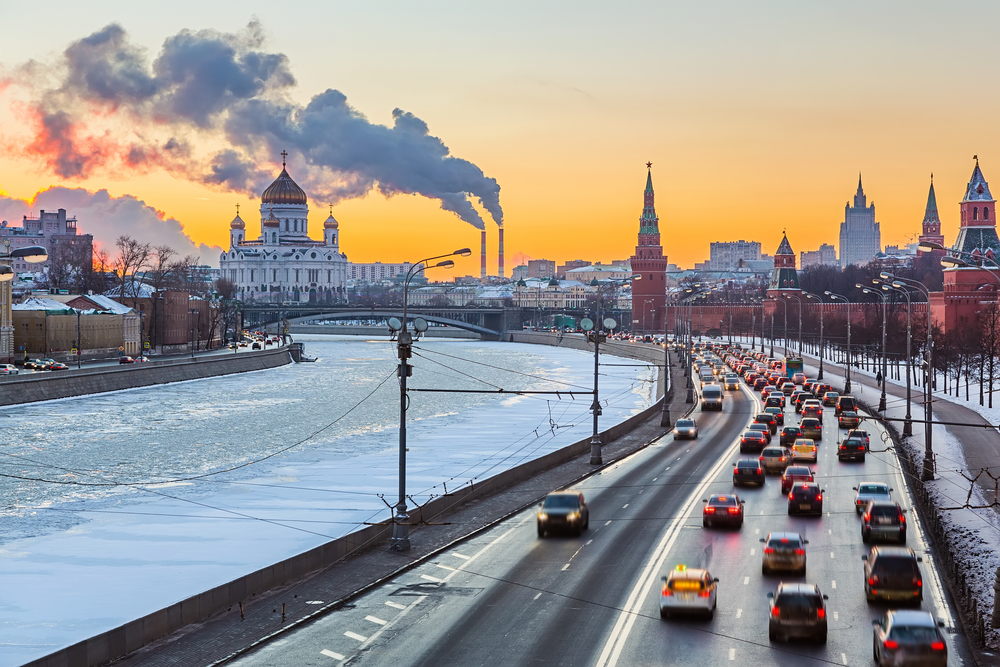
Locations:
(123, 525)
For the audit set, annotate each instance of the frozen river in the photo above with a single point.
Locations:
(115, 505)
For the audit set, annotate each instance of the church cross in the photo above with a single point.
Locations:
(284, 154)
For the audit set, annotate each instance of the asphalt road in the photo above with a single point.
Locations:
(507, 597)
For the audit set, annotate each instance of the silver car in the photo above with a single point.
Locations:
(775, 459)
(784, 552)
(909, 638)
(865, 492)
(685, 428)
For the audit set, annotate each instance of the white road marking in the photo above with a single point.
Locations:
(746, 581)
(565, 567)
(762, 512)
(836, 616)
(458, 555)
(608, 523)
(829, 531)
(831, 554)
(445, 567)
(641, 490)
(732, 654)
(739, 613)
(833, 584)
(588, 542)
(654, 479)
(626, 505)
(376, 620)
(430, 578)
(843, 657)
(756, 531)
(753, 551)
(667, 468)
(538, 596)
(314, 602)
(331, 654)
(354, 635)
(394, 605)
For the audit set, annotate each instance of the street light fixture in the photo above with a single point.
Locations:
(404, 347)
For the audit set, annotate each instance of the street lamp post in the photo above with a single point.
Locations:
(908, 424)
(667, 380)
(866, 290)
(847, 381)
(404, 347)
(808, 295)
(799, 299)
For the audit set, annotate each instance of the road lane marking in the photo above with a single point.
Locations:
(829, 531)
(746, 581)
(445, 567)
(626, 505)
(394, 605)
(836, 616)
(331, 654)
(608, 523)
(762, 512)
(641, 490)
(667, 468)
(354, 635)
(753, 551)
(756, 531)
(843, 657)
(739, 613)
(831, 554)
(588, 542)
(654, 479)
(732, 654)
(627, 616)
(314, 602)
(457, 555)
(833, 584)
(565, 567)
(538, 596)
(376, 620)
(430, 578)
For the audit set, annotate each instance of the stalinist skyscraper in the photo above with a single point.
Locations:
(860, 237)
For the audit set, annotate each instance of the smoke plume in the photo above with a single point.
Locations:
(207, 88)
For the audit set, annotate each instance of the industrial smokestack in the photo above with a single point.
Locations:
(500, 270)
(482, 268)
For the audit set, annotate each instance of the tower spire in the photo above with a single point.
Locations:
(284, 154)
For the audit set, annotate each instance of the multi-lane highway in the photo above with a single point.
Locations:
(507, 597)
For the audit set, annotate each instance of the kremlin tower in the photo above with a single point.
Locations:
(931, 227)
(784, 277)
(649, 294)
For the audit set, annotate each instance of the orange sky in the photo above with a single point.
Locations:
(756, 119)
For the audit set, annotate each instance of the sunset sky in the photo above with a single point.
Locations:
(757, 117)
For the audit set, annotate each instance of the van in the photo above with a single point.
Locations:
(846, 404)
(711, 397)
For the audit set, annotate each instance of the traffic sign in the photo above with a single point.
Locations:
(121, 349)
(146, 345)
(73, 351)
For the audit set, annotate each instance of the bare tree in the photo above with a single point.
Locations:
(69, 266)
(133, 257)
(162, 267)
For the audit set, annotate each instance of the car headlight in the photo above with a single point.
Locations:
(572, 516)
(542, 516)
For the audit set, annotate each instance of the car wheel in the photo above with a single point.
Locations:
(864, 537)
(704, 523)
(663, 613)
(862, 459)
(822, 638)
(902, 538)
(875, 652)
(789, 511)
(764, 570)
(772, 635)
(740, 525)
(802, 572)
(541, 532)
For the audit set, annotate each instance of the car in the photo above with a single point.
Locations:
(830, 399)
(769, 419)
(798, 378)
(775, 459)
(732, 383)
(688, 590)
(861, 435)
(804, 449)
(811, 428)
(753, 441)
(563, 510)
(892, 574)
(722, 508)
(797, 610)
(763, 428)
(851, 448)
(794, 474)
(779, 415)
(904, 637)
(125, 360)
(789, 434)
(748, 471)
(58, 366)
(802, 398)
(685, 428)
(711, 397)
(848, 420)
(883, 520)
(812, 408)
(9, 369)
(766, 391)
(805, 498)
(255, 346)
(846, 404)
(784, 552)
(787, 388)
(243, 343)
(774, 400)
(865, 492)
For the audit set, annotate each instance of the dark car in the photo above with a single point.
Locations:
(811, 428)
(255, 346)
(759, 383)
(563, 510)
(779, 415)
(722, 509)
(909, 637)
(784, 551)
(794, 474)
(797, 610)
(891, 573)
(789, 435)
(748, 471)
(802, 398)
(805, 498)
(860, 435)
(812, 408)
(830, 399)
(769, 419)
(774, 401)
(752, 441)
(846, 404)
(763, 428)
(851, 448)
(787, 387)
(883, 520)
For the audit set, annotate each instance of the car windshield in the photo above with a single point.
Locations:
(561, 501)
(758, 427)
(684, 423)
(722, 501)
(805, 489)
(791, 430)
(896, 565)
(873, 488)
(854, 443)
(913, 633)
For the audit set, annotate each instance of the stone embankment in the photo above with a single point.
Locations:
(353, 330)
(17, 389)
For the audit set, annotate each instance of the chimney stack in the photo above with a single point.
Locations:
(500, 271)
(482, 268)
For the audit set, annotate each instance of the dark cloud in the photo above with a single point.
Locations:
(208, 86)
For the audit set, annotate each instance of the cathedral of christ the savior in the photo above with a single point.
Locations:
(283, 264)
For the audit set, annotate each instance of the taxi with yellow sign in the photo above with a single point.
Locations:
(688, 591)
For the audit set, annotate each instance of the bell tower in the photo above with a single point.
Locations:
(931, 226)
(649, 294)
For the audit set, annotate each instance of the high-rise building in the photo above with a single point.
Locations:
(51, 229)
(569, 266)
(826, 255)
(649, 293)
(860, 237)
(931, 226)
(726, 255)
(541, 268)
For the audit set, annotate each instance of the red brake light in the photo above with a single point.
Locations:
(917, 581)
(709, 510)
(821, 613)
(791, 496)
(703, 594)
(734, 510)
(902, 519)
(759, 471)
(761, 458)
(774, 611)
(667, 591)
(891, 644)
(819, 496)
(800, 552)
(782, 458)
(873, 581)
(768, 550)
(937, 646)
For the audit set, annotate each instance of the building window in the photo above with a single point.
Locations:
(975, 213)
(986, 213)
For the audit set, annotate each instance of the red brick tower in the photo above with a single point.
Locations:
(931, 229)
(649, 295)
(784, 277)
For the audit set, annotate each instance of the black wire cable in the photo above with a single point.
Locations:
(499, 368)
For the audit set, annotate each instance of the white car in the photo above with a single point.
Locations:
(865, 492)
(8, 369)
(685, 428)
(688, 591)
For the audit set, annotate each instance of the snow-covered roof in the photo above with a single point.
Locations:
(143, 291)
(105, 303)
(37, 303)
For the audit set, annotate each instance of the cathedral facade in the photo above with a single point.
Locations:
(284, 264)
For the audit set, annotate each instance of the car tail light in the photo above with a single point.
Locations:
(709, 510)
(703, 594)
(937, 646)
(775, 612)
(917, 581)
(819, 496)
(759, 471)
(800, 552)
(902, 519)
(821, 613)
(768, 550)
(734, 510)
(791, 496)
(761, 459)
(873, 580)
(891, 644)
(782, 458)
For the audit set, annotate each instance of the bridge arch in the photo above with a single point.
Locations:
(387, 313)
